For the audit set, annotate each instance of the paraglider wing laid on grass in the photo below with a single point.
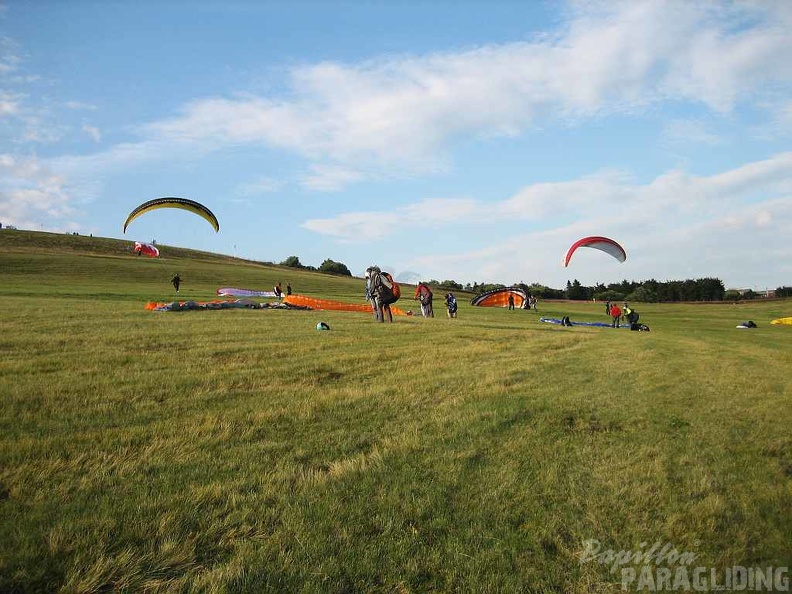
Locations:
(146, 249)
(170, 202)
(216, 304)
(782, 322)
(327, 304)
(500, 298)
(598, 243)
(235, 292)
(559, 321)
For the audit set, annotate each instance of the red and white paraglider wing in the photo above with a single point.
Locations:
(598, 243)
(147, 249)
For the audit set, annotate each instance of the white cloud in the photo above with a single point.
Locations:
(9, 60)
(403, 112)
(689, 131)
(397, 116)
(31, 195)
(608, 196)
(362, 226)
(329, 178)
(263, 185)
(9, 104)
(93, 132)
(39, 129)
(79, 105)
(365, 226)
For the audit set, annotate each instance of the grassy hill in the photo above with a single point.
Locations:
(50, 259)
(243, 451)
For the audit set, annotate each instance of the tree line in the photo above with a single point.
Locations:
(329, 266)
(647, 291)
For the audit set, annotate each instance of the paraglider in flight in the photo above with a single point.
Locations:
(599, 243)
(147, 249)
(170, 202)
(500, 298)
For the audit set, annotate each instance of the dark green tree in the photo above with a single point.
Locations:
(333, 267)
(292, 262)
(576, 291)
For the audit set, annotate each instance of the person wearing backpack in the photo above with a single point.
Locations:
(381, 291)
(632, 318)
(424, 294)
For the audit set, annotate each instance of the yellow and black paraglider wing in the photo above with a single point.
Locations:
(170, 202)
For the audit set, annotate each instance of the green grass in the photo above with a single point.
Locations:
(243, 451)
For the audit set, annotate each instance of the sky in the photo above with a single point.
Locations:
(467, 140)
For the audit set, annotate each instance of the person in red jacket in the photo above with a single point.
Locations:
(424, 294)
(615, 313)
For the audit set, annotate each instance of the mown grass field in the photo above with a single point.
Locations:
(243, 451)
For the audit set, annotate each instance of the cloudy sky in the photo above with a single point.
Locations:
(473, 140)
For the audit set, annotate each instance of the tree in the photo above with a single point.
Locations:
(576, 291)
(642, 294)
(783, 292)
(609, 295)
(292, 262)
(333, 267)
(450, 285)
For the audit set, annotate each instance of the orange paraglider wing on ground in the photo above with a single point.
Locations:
(500, 298)
(326, 304)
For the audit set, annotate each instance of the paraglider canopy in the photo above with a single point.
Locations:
(148, 249)
(598, 243)
(171, 202)
(500, 298)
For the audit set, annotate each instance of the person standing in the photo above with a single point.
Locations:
(632, 318)
(288, 289)
(374, 294)
(176, 281)
(451, 304)
(511, 301)
(615, 313)
(424, 294)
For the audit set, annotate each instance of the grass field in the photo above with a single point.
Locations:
(243, 451)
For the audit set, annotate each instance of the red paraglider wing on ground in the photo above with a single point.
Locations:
(598, 243)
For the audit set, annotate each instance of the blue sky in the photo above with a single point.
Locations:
(472, 141)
